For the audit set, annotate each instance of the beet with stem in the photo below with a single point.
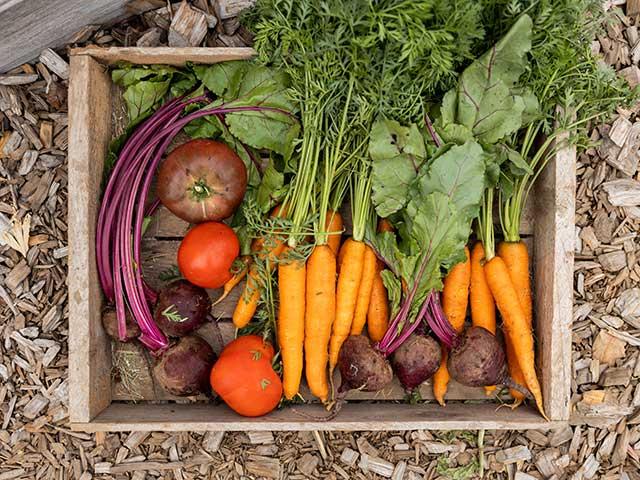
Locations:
(416, 360)
(183, 369)
(362, 367)
(182, 308)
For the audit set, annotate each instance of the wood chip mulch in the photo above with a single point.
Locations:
(602, 443)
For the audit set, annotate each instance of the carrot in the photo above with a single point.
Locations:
(483, 307)
(455, 297)
(346, 295)
(291, 317)
(515, 323)
(378, 312)
(320, 311)
(248, 301)
(369, 272)
(333, 223)
(236, 279)
(516, 257)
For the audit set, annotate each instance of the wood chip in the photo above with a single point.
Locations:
(212, 441)
(35, 406)
(607, 348)
(349, 457)
(263, 466)
(55, 63)
(513, 455)
(623, 192)
(231, 8)
(616, 376)
(376, 465)
(307, 464)
(20, 79)
(260, 438)
(18, 274)
(620, 130)
(188, 27)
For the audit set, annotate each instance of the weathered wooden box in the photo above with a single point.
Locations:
(98, 404)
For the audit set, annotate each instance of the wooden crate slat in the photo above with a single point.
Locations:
(165, 55)
(553, 279)
(89, 135)
(353, 417)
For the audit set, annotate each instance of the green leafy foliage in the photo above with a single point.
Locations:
(434, 204)
(397, 153)
(485, 103)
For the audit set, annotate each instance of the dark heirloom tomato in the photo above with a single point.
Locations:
(202, 180)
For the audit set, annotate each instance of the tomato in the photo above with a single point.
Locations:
(249, 343)
(202, 180)
(247, 383)
(206, 254)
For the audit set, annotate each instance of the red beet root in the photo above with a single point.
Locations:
(416, 360)
(362, 367)
(182, 308)
(110, 324)
(183, 369)
(478, 359)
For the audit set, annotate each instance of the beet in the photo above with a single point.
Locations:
(478, 359)
(362, 367)
(182, 308)
(184, 368)
(110, 324)
(416, 360)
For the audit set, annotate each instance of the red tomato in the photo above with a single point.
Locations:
(247, 383)
(251, 343)
(206, 254)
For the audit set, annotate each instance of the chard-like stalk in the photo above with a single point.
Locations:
(122, 213)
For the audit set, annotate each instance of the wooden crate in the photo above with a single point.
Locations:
(97, 404)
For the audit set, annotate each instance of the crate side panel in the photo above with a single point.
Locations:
(553, 279)
(90, 133)
(352, 417)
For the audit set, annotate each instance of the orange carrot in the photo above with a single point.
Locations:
(369, 273)
(292, 280)
(333, 223)
(236, 279)
(378, 313)
(320, 311)
(516, 257)
(515, 323)
(248, 301)
(346, 295)
(455, 297)
(483, 307)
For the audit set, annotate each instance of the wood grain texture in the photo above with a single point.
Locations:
(353, 417)
(553, 279)
(29, 26)
(166, 55)
(90, 133)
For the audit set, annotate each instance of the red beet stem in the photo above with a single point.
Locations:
(122, 213)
